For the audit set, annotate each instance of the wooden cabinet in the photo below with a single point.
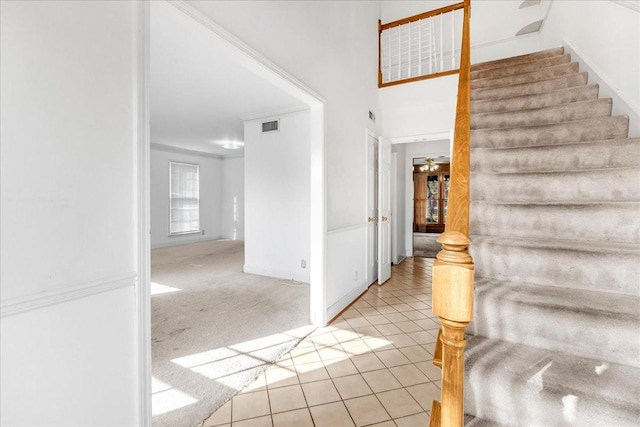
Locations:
(431, 193)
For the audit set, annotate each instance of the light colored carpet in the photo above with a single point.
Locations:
(214, 328)
(425, 245)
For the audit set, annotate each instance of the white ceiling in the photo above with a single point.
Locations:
(199, 92)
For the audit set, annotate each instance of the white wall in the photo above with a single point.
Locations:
(331, 47)
(71, 363)
(346, 253)
(419, 108)
(68, 220)
(277, 185)
(494, 25)
(604, 36)
(211, 184)
(392, 10)
(233, 198)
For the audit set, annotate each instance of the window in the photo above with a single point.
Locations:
(184, 198)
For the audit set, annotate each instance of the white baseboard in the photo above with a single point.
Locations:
(27, 303)
(400, 259)
(279, 274)
(342, 303)
(182, 240)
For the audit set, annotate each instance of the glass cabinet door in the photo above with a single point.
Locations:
(433, 196)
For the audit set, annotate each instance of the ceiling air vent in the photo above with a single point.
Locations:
(272, 126)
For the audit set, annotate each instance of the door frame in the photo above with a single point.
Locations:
(371, 240)
(275, 75)
(408, 183)
(384, 211)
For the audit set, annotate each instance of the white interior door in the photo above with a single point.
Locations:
(372, 209)
(384, 210)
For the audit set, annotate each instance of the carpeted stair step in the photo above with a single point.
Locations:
(594, 222)
(527, 102)
(471, 421)
(529, 77)
(562, 133)
(533, 88)
(514, 384)
(529, 57)
(543, 116)
(555, 239)
(605, 266)
(519, 68)
(609, 153)
(591, 185)
(560, 319)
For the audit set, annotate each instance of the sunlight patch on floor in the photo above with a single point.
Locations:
(536, 380)
(202, 362)
(602, 368)
(205, 357)
(570, 408)
(166, 399)
(157, 288)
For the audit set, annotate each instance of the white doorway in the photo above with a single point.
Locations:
(277, 77)
(425, 148)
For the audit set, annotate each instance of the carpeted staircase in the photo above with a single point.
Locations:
(555, 224)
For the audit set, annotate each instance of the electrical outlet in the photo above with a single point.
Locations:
(355, 275)
(203, 232)
(303, 263)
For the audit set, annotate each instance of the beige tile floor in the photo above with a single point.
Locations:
(372, 366)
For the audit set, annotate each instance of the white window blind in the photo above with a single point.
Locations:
(184, 198)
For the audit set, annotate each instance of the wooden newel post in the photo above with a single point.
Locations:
(452, 298)
(452, 286)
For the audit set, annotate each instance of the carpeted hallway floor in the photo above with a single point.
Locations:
(215, 328)
(425, 245)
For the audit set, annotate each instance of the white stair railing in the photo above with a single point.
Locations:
(420, 46)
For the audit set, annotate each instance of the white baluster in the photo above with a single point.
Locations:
(441, 44)
(420, 47)
(390, 56)
(432, 46)
(399, 53)
(453, 38)
(382, 55)
(409, 61)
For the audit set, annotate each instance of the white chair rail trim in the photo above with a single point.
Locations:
(14, 306)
